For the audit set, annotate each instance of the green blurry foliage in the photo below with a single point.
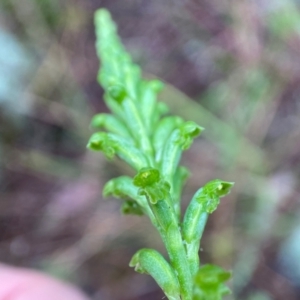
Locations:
(210, 283)
(284, 20)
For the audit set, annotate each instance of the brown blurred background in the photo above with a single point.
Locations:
(233, 67)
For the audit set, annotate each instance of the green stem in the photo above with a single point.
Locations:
(172, 238)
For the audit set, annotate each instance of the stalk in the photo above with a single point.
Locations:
(139, 134)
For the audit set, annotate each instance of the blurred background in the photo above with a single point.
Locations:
(231, 66)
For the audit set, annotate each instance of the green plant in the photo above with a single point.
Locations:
(151, 143)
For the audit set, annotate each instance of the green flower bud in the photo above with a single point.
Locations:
(149, 261)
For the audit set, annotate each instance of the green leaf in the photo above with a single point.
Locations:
(209, 283)
(149, 261)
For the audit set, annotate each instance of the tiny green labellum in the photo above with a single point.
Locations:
(212, 192)
(146, 177)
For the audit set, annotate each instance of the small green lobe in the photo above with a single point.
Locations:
(146, 177)
(191, 128)
(117, 92)
(188, 131)
(151, 185)
(212, 192)
(100, 141)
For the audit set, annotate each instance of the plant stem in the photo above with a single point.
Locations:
(171, 236)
